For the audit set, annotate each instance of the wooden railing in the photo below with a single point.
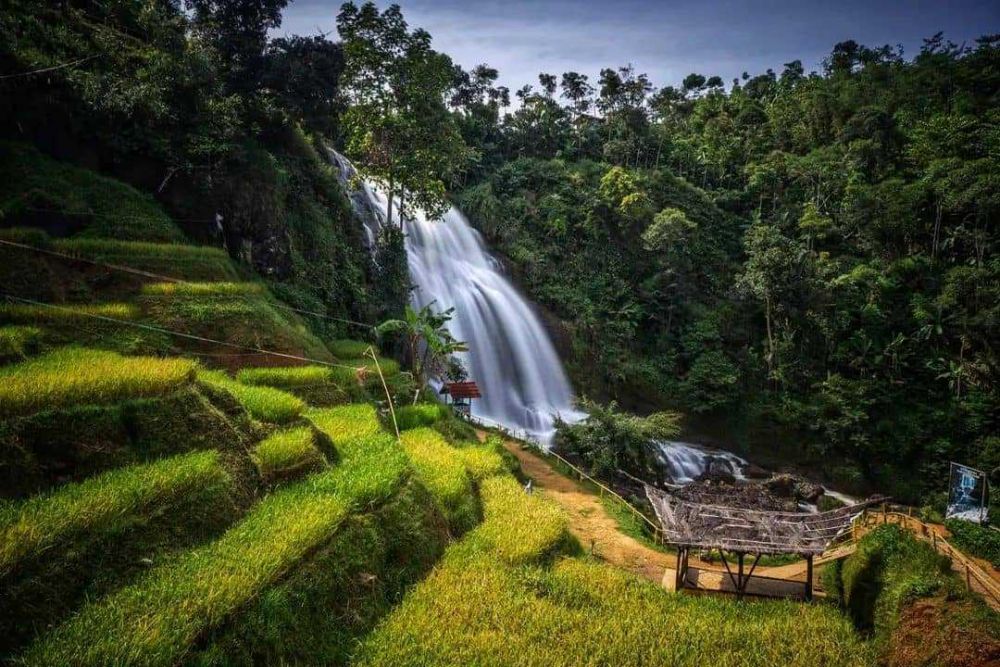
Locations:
(976, 578)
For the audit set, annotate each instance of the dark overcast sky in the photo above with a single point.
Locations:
(666, 39)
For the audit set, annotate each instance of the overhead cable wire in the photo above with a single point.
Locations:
(180, 334)
(164, 278)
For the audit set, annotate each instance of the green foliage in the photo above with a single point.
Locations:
(17, 342)
(440, 468)
(422, 414)
(264, 403)
(609, 440)
(68, 200)
(71, 376)
(429, 344)
(287, 454)
(975, 540)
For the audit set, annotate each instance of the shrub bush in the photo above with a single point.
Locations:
(979, 541)
(422, 414)
(71, 376)
(442, 471)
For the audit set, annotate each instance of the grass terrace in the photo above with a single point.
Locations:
(477, 610)
(157, 620)
(287, 454)
(348, 349)
(422, 414)
(903, 593)
(519, 528)
(18, 342)
(346, 425)
(263, 403)
(244, 316)
(70, 376)
(106, 504)
(221, 289)
(285, 376)
(72, 200)
(172, 260)
(65, 313)
(442, 471)
(482, 461)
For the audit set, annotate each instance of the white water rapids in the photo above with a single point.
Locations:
(510, 354)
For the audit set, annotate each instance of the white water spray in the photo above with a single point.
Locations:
(510, 354)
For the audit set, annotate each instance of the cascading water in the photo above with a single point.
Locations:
(510, 355)
(685, 463)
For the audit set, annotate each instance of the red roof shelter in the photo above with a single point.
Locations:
(462, 394)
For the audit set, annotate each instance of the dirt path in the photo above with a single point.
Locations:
(590, 522)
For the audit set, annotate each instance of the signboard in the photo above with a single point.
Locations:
(967, 494)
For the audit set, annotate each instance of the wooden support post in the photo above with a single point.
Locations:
(741, 584)
(678, 585)
(809, 578)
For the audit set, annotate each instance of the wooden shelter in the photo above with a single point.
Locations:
(743, 532)
(461, 394)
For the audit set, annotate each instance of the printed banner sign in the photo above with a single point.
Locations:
(967, 494)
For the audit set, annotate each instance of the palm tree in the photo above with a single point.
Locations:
(429, 344)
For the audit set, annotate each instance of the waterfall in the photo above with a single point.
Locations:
(510, 354)
(686, 463)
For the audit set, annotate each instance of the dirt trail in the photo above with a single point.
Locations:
(590, 522)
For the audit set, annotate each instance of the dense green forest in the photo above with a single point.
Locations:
(814, 252)
(810, 254)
